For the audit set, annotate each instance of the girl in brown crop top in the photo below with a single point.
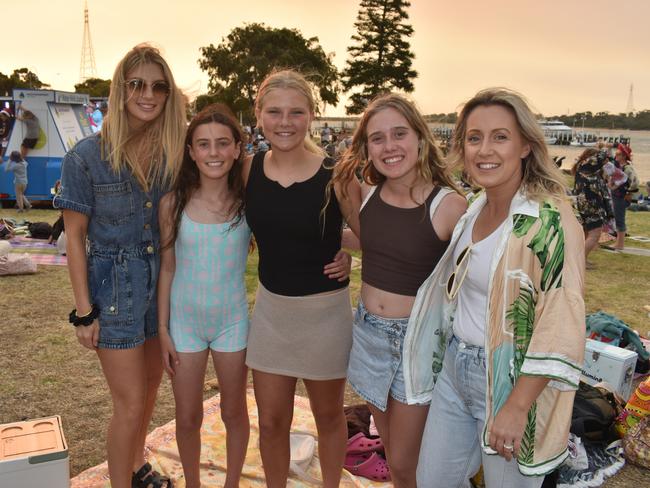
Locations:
(402, 238)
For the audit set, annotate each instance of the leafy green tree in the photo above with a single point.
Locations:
(237, 66)
(381, 58)
(20, 78)
(95, 87)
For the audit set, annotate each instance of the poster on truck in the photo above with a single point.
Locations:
(71, 122)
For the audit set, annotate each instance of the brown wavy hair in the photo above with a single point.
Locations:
(189, 178)
(586, 154)
(431, 166)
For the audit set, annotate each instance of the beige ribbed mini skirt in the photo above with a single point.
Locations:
(303, 337)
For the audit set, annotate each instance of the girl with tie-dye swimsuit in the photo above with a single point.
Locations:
(202, 295)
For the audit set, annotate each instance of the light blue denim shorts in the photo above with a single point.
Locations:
(122, 284)
(375, 368)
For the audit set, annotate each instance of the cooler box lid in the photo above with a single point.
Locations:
(40, 440)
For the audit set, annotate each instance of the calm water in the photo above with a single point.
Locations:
(640, 143)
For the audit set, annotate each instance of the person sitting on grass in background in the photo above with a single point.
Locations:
(202, 308)
(410, 207)
(111, 185)
(18, 166)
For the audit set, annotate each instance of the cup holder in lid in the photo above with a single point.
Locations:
(13, 430)
(41, 426)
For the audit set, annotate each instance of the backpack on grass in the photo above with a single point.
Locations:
(594, 411)
(40, 230)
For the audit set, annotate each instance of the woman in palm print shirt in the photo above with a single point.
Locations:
(498, 327)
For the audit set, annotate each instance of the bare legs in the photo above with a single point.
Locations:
(188, 393)
(232, 375)
(133, 376)
(591, 240)
(401, 427)
(326, 400)
(187, 384)
(274, 396)
(21, 199)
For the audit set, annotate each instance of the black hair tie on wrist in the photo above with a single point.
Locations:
(86, 319)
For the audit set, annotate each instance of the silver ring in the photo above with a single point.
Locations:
(509, 447)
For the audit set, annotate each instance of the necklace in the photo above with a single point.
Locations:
(221, 212)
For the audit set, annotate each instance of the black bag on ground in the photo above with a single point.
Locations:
(594, 411)
(39, 230)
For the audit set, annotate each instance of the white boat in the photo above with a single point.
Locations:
(554, 130)
(581, 140)
(580, 143)
(550, 140)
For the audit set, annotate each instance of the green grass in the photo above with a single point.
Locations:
(46, 372)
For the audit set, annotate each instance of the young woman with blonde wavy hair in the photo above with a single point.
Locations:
(112, 183)
(496, 337)
(410, 206)
(301, 323)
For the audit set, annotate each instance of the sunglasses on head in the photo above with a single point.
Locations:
(136, 86)
(460, 272)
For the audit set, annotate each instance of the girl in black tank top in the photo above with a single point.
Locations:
(301, 324)
(402, 238)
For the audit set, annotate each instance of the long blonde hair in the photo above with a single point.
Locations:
(541, 178)
(165, 135)
(288, 78)
(430, 164)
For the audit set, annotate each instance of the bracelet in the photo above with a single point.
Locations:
(84, 316)
(84, 320)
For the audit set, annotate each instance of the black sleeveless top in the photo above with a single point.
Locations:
(294, 239)
(400, 246)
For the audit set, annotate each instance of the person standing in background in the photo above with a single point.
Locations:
(19, 167)
(32, 131)
(5, 130)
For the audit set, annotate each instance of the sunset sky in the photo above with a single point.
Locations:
(564, 55)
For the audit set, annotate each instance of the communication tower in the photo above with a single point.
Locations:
(87, 69)
(630, 101)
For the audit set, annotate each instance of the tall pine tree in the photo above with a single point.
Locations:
(381, 59)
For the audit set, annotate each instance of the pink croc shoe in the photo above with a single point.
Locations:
(369, 465)
(359, 443)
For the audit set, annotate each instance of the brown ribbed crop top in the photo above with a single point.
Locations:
(399, 245)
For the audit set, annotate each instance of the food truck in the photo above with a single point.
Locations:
(63, 121)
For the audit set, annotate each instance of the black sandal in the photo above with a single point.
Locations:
(146, 477)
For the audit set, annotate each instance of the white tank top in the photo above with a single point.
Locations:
(470, 319)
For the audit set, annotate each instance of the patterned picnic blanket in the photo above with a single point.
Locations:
(39, 250)
(23, 242)
(162, 452)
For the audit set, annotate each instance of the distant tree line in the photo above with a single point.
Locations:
(379, 60)
(20, 78)
(442, 118)
(605, 120)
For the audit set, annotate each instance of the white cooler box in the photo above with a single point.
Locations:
(614, 365)
(34, 454)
